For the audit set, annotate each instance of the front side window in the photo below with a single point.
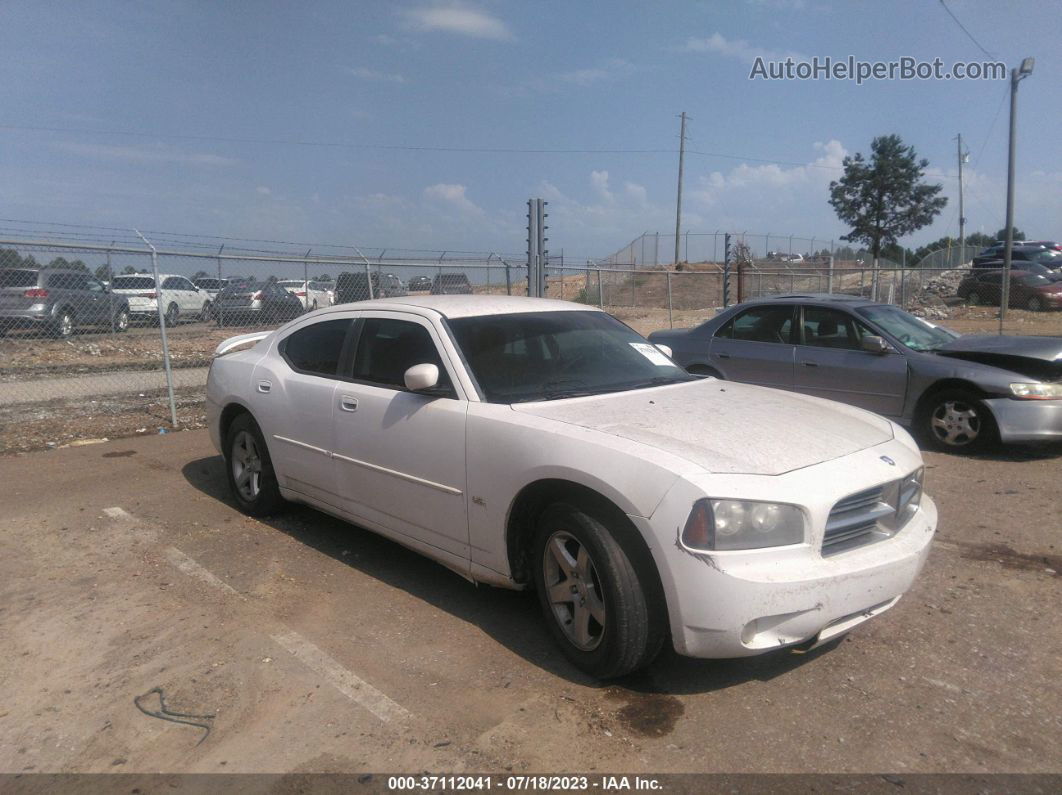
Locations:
(760, 324)
(133, 283)
(549, 355)
(316, 349)
(914, 332)
(387, 348)
(831, 328)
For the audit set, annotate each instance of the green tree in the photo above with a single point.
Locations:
(199, 275)
(325, 277)
(128, 269)
(103, 273)
(884, 198)
(1002, 234)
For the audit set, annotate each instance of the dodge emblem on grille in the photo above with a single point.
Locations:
(887, 460)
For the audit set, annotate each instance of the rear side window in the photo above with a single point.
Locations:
(316, 349)
(11, 277)
(68, 281)
(760, 324)
(387, 348)
(133, 283)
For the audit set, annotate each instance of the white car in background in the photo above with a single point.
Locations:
(524, 442)
(314, 295)
(180, 298)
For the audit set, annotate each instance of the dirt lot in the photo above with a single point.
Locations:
(321, 647)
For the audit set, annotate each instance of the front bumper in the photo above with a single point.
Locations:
(742, 603)
(1027, 420)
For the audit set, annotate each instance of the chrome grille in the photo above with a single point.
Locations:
(872, 514)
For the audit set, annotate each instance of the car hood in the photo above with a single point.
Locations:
(725, 427)
(1039, 357)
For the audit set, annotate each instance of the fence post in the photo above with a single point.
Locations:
(829, 276)
(670, 317)
(306, 280)
(508, 279)
(686, 257)
(162, 328)
(600, 292)
(220, 309)
(110, 293)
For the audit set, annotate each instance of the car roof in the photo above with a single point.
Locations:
(458, 306)
(814, 298)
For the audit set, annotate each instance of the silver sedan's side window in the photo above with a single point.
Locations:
(831, 328)
(316, 349)
(760, 324)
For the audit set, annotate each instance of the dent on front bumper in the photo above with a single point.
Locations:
(1027, 420)
(738, 604)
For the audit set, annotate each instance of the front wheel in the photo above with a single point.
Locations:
(120, 322)
(173, 314)
(252, 481)
(597, 608)
(973, 299)
(207, 312)
(1035, 304)
(957, 421)
(64, 324)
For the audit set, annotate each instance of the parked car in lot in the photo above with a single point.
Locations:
(1034, 291)
(180, 298)
(248, 302)
(58, 302)
(451, 284)
(1019, 254)
(957, 392)
(528, 443)
(1019, 265)
(210, 285)
(419, 283)
(313, 295)
(391, 287)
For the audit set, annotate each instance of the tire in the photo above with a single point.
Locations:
(973, 299)
(957, 420)
(64, 324)
(314, 307)
(207, 312)
(611, 626)
(249, 469)
(120, 322)
(173, 315)
(1035, 304)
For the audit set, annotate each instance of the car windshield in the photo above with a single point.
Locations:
(550, 355)
(914, 332)
(133, 282)
(1032, 279)
(1051, 259)
(209, 284)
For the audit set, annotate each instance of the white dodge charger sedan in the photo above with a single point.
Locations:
(525, 442)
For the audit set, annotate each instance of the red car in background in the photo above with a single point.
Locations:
(1027, 290)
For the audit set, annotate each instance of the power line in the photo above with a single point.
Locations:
(964, 30)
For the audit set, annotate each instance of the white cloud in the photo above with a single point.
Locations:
(364, 73)
(779, 5)
(451, 198)
(737, 48)
(138, 154)
(457, 18)
(610, 69)
(262, 190)
(599, 182)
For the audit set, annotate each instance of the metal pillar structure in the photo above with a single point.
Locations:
(162, 327)
(962, 218)
(1016, 76)
(537, 253)
(726, 270)
(678, 201)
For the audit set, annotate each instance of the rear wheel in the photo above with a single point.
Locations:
(120, 322)
(207, 312)
(64, 324)
(1035, 303)
(957, 420)
(596, 607)
(173, 314)
(974, 299)
(252, 481)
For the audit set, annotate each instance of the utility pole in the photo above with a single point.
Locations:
(678, 202)
(1016, 76)
(962, 218)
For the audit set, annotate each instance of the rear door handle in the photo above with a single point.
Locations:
(723, 355)
(348, 403)
(810, 364)
(264, 386)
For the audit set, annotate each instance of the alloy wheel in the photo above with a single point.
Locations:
(246, 466)
(574, 590)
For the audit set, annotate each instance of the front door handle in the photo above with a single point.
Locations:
(264, 386)
(810, 364)
(348, 403)
(723, 355)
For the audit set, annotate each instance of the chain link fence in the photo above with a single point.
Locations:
(102, 340)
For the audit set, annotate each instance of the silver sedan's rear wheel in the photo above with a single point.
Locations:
(252, 481)
(598, 590)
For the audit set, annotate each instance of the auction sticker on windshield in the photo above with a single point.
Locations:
(651, 353)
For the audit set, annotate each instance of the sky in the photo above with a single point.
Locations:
(428, 125)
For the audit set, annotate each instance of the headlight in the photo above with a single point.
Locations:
(742, 524)
(910, 493)
(1037, 391)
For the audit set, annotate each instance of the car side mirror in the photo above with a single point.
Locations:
(421, 376)
(666, 350)
(875, 344)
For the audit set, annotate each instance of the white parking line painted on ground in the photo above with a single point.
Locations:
(345, 681)
(193, 569)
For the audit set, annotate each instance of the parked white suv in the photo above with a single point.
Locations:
(180, 298)
(531, 443)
